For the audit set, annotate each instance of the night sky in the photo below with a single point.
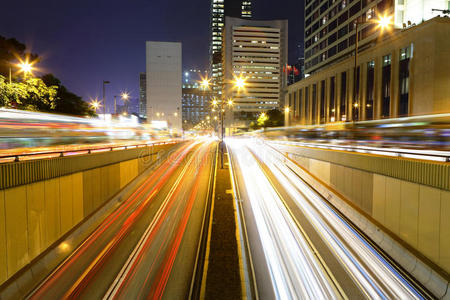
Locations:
(86, 41)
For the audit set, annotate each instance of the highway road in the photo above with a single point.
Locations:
(148, 246)
(300, 246)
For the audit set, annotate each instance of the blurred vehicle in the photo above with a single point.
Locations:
(20, 129)
(418, 132)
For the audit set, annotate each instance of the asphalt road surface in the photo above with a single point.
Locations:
(300, 246)
(148, 246)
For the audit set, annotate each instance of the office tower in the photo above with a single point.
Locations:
(142, 95)
(220, 9)
(330, 25)
(163, 88)
(196, 105)
(257, 51)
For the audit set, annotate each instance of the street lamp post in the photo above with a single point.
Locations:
(105, 82)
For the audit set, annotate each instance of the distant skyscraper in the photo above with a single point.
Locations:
(142, 95)
(163, 86)
(196, 100)
(220, 9)
(257, 51)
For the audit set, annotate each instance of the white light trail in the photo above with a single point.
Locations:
(375, 276)
(294, 269)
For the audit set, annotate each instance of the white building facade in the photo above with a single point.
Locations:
(255, 50)
(164, 82)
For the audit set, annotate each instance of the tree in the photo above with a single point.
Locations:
(66, 101)
(30, 94)
(271, 118)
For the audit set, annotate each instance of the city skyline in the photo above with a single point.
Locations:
(107, 40)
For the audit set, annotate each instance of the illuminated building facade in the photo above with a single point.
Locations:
(330, 25)
(220, 9)
(196, 100)
(404, 74)
(257, 51)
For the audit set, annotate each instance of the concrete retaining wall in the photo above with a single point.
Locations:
(415, 213)
(33, 216)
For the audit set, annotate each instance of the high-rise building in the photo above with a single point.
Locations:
(220, 9)
(256, 51)
(142, 96)
(196, 99)
(330, 25)
(163, 77)
(401, 76)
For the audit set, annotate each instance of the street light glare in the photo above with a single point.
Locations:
(215, 102)
(230, 102)
(95, 104)
(25, 66)
(286, 109)
(125, 96)
(239, 82)
(384, 22)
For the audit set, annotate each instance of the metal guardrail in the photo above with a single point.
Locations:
(64, 163)
(433, 155)
(431, 173)
(16, 157)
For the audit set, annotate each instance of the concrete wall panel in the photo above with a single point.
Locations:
(367, 192)
(429, 221)
(36, 218)
(379, 198)
(114, 178)
(320, 169)
(104, 182)
(77, 212)
(348, 188)
(96, 188)
(444, 247)
(409, 212)
(52, 228)
(16, 232)
(357, 187)
(392, 209)
(340, 173)
(66, 203)
(87, 193)
(3, 261)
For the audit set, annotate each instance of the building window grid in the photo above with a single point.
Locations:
(360, 12)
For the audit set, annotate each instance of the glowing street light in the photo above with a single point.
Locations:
(25, 66)
(230, 102)
(239, 82)
(286, 109)
(215, 102)
(204, 84)
(384, 22)
(95, 104)
(125, 96)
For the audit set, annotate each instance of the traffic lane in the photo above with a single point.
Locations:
(148, 272)
(73, 268)
(257, 256)
(340, 274)
(179, 283)
(374, 274)
(294, 269)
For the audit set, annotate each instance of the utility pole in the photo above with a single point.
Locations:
(105, 82)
